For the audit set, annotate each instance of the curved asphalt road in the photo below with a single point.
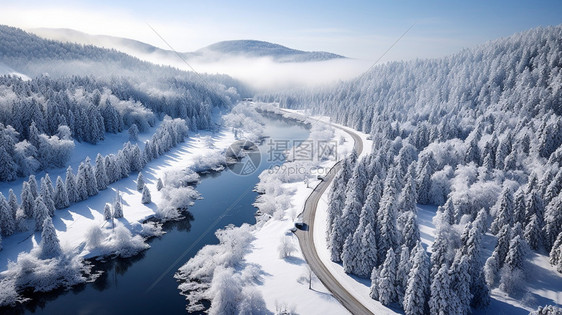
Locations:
(306, 238)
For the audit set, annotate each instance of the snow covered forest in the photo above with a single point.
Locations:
(478, 134)
(61, 95)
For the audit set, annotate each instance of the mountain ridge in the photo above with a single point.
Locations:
(214, 52)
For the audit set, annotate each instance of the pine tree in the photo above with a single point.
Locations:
(349, 252)
(8, 168)
(82, 182)
(70, 185)
(534, 205)
(553, 221)
(40, 213)
(91, 183)
(504, 211)
(516, 255)
(146, 198)
(533, 233)
(424, 185)
(415, 297)
(411, 232)
(159, 184)
(404, 267)
(140, 182)
(33, 186)
(374, 292)
(107, 215)
(554, 188)
(117, 207)
(137, 159)
(100, 173)
(27, 200)
(49, 245)
(347, 223)
(133, 133)
(491, 269)
(440, 292)
(502, 246)
(556, 253)
(387, 280)
(7, 222)
(519, 205)
(13, 202)
(46, 194)
(61, 196)
(460, 285)
(407, 199)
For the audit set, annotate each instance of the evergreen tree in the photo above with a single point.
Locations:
(7, 222)
(374, 292)
(556, 253)
(491, 269)
(27, 200)
(33, 186)
(533, 233)
(117, 207)
(554, 188)
(8, 168)
(411, 232)
(133, 133)
(440, 292)
(41, 212)
(91, 183)
(107, 215)
(146, 198)
(61, 196)
(553, 221)
(49, 245)
(82, 182)
(502, 246)
(71, 188)
(159, 184)
(519, 205)
(46, 194)
(100, 173)
(504, 211)
(387, 280)
(424, 185)
(460, 285)
(404, 266)
(140, 182)
(516, 255)
(415, 297)
(13, 202)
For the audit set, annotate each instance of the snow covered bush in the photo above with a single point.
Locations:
(209, 161)
(175, 200)
(204, 275)
(286, 247)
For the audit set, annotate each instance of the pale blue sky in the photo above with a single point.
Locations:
(360, 29)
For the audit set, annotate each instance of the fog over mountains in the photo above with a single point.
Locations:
(212, 53)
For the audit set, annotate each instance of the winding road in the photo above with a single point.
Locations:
(306, 237)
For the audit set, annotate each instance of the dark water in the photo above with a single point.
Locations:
(132, 286)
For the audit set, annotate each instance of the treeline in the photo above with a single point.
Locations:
(39, 201)
(478, 134)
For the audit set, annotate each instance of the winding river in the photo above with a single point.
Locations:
(144, 284)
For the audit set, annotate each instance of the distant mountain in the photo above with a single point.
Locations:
(255, 48)
(212, 53)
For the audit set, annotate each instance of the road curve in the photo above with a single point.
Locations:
(306, 237)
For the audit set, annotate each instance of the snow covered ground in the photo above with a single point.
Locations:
(72, 223)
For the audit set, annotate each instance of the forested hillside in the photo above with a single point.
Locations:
(478, 134)
(81, 92)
